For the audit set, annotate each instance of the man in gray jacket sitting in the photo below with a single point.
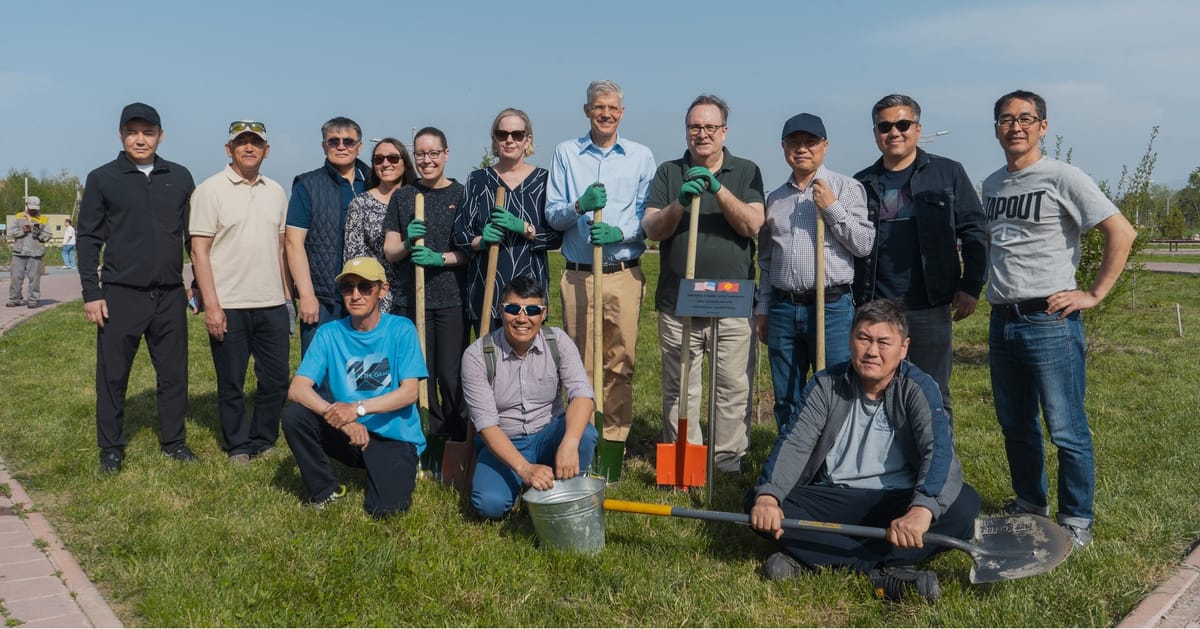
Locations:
(872, 446)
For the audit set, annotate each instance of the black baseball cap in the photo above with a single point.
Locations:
(134, 111)
(807, 123)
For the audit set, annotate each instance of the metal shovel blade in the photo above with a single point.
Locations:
(1016, 546)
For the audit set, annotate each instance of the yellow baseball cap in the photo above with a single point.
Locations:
(366, 268)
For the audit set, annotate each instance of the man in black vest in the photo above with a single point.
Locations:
(316, 224)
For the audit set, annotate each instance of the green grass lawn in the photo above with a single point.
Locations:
(214, 544)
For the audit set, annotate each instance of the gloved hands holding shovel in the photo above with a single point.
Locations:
(416, 229)
(507, 220)
(689, 189)
(424, 256)
(605, 234)
(594, 198)
(491, 234)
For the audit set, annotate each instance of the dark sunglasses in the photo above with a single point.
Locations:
(336, 142)
(241, 126)
(364, 287)
(902, 125)
(394, 158)
(502, 135)
(530, 310)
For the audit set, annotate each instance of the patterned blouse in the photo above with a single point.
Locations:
(518, 255)
(364, 238)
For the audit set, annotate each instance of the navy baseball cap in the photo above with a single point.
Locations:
(134, 111)
(807, 123)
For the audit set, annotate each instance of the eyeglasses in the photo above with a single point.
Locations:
(1006, 122)
(531, 310)
(364, 287)
(432, 154)
(502, 136)
(335, 142)
(710, 129)
(793, 144)
(241, 126)
(901, 125)
(394, 158)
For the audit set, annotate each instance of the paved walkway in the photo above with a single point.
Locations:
(41, 584)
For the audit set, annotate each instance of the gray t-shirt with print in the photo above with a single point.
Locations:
(1035, 217)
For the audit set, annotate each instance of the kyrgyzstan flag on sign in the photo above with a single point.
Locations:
(728, 287)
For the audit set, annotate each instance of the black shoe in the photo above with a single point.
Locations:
(33, 304)
(181, 453)
(265, 452)
(1012, 506)
(110, 461)
(890, 583)
(782, 566)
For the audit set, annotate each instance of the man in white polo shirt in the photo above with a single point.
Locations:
(237, 227)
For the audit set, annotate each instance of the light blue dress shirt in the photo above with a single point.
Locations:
(626, 169)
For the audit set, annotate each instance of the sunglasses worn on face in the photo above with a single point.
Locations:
(394, 158)
(531, 310)
(502, 136)
(901, 125)
(364, 287)
(336, 142)
(247, 125)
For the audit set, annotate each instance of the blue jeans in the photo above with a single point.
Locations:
(68, 256)
(495, 485)
(930, 347)
(791, 348)
(1039, 358)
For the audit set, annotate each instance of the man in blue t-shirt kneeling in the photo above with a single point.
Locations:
(371, 365)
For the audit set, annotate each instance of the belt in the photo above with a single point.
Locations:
(1016, 310)
(611, 267)
(809, 297)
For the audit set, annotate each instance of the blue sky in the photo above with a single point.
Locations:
(1109, 71)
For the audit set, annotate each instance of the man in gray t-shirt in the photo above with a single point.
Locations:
(1037, 208)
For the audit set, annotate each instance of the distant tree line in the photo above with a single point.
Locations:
(57, 193)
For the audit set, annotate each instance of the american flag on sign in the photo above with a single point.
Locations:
(728, 287)
(704, 286)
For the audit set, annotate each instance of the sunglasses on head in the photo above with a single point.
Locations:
(531, 310)
(902, 125)
(364, 287)
(502, 136)
(241, 126)
(335, 142)
(394, 158)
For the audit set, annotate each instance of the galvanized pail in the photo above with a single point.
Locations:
(570, 515)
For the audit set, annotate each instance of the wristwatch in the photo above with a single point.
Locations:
(360, 410)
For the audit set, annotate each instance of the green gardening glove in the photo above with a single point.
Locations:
(700, 173)
(508, 220)
(605, 234)
(416, 229)
(594, 198)
(427, 257)
(690, 188)
(491, 234)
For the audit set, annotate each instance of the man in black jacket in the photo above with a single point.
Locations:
(136, 208)
(922, 206)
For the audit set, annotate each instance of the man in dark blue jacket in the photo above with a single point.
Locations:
(871, 446)
(136, 208)
(922, 206)
(316, 224)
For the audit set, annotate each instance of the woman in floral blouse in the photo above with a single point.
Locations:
(392, 169)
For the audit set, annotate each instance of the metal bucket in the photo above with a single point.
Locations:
(570, 515)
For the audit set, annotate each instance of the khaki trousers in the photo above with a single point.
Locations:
(623, 293)
(732, 429)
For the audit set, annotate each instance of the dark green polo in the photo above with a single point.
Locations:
(721, 253)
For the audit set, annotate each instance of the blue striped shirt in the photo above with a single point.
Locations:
(626, 169)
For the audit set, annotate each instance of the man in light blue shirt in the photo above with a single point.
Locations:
(603, 171)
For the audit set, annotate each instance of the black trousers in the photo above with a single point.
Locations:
(866, 507)
(263, 334)
(446, 340)
(159, 314)
(391, 465)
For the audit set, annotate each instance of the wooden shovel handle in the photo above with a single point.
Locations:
(489, 280)
(419, 297)
(820, 292)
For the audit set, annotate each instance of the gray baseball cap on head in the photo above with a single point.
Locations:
(134, 111)
(807, 123)
(33, 203)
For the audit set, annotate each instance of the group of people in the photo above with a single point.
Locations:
(869, 440)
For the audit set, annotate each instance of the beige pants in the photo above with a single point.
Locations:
(623, 293)
(732, 429)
